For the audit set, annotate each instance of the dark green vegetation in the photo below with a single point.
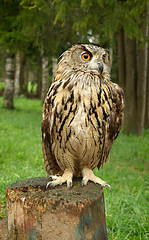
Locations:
(127, 171)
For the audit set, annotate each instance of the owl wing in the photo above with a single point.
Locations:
(114, 121)
(58, 110)
(50, 163)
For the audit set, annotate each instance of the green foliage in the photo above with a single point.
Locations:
(54, 25)
(10, 32)
(127, 171)
(102, 17)
(30, 4)
(36, 23)
(38, 20)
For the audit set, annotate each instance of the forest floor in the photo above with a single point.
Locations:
(127, 171)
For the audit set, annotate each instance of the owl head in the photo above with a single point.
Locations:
(87, 58)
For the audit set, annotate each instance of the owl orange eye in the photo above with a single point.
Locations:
(86, 56)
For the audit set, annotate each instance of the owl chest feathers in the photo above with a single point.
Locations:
(78, 115)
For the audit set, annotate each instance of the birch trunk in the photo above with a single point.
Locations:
(17, 75)
(9, 81)
(45, 77)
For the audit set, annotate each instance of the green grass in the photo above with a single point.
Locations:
(20, 143)
(127, 206)
(2, 86)
(127, 172)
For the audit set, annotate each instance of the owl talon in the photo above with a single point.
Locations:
(50, 179)
(49, 183)
(88, 175)
(69, 184)
(108, 186)
(53, 177)
(83, 183)
(59, 180)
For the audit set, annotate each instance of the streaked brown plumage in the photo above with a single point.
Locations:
(82, 115)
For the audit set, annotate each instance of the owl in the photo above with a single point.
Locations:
(82, 116)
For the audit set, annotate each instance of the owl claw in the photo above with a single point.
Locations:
(88, 175)
(108, 186)
(69, 184)
(83, 183)
(49, 183)
(54, 183)
(53, 177)
(59, 180)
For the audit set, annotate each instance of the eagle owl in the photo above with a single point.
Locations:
(82, 115)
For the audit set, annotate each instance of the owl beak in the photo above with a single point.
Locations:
(100, 64)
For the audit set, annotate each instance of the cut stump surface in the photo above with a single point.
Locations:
(37, 213)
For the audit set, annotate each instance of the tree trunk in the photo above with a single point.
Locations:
(17, 75)
(121, 59)
(38, 77)
(9, 81)
(141, 76)
(23, 77)
(54, 66)
(111, 57)
(129, 125)
(147, 94)
(34, 212)
(45, 77)
(136, 81)
(39, 85)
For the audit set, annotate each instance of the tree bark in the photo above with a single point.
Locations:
(136, 81)
(38, 77)
(9, 81)
(121, 59)
(142, 76)
(111, 57)
(23, 77)
(45, 77)
(147, 94)
(17, 74)
(130, 115)
(34, 212)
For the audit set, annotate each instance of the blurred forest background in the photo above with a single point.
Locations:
(33, 34)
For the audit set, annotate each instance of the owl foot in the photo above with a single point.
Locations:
(88, 175)
(59, 180)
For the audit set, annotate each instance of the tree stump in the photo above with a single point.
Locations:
(35, 213)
